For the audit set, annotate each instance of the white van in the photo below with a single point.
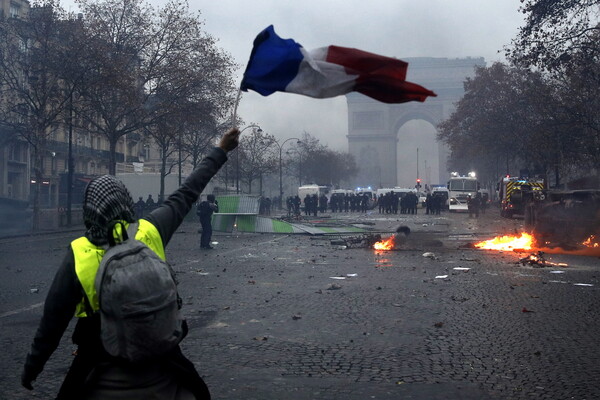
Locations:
(310, 190)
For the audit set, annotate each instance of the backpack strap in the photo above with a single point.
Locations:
(125, 233)
(132, 229)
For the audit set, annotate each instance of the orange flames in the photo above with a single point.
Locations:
(387, 244)
(508, 243)
(591, 242)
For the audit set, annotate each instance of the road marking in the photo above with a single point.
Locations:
(20, 310)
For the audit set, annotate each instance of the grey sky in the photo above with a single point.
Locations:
(395, 28)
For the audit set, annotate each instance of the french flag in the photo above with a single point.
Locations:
(283, 65)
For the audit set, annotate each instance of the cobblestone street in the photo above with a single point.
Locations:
(295, 317)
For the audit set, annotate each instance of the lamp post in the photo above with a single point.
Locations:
(70, 163)
(280, 146)
(237, 159)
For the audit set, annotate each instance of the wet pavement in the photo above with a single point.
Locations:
(295, 317)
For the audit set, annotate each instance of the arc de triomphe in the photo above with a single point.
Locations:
(374, 127)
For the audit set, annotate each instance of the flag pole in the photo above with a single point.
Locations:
(237, 101)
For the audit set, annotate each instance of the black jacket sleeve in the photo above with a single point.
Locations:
(171, 213)
(62, 299)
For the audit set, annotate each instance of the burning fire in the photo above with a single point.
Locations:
(387, 244)
(508, 243)
(591, 242)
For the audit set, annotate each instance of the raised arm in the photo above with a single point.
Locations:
(171, 213)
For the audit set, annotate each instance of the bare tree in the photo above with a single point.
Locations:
(35, 54)
(554, 31)
(257, 157)
(143, 54)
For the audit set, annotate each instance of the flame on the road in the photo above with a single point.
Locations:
(592, 241)
(508, 243)
(387, 244)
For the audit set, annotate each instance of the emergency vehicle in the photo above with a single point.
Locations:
(460, 188)
(516, 193)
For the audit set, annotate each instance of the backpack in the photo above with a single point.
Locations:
(139, 304)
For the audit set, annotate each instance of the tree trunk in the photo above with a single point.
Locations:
(37, 169)
(112, 161)
(163, 173)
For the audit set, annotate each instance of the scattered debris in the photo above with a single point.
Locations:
(334, 286)
(461, 269)
(366, 240)
(582, 284)
(537, 260)
(429, 255)
(34, 290)
(441, 277)
(261, 338)
(337, 277)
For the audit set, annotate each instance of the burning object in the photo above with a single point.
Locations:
(387, 244)
(537, 260)
(393, 241)
(508, 243)
(592, 242)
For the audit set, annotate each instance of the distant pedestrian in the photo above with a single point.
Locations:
(140, 207)
(150, 204)
(205, 211)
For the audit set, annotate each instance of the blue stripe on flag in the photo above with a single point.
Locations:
(274, 63)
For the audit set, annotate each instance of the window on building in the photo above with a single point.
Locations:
(15, 10)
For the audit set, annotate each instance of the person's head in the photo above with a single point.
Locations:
(105, 199)
(210, 197)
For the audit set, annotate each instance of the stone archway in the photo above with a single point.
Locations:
(373, 127)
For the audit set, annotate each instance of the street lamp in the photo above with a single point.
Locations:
(280, 146)
(70, 166)
(237, 159)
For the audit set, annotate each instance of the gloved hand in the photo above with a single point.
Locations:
(230, 140)
(26, 381)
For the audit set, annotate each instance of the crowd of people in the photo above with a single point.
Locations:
(389, 203)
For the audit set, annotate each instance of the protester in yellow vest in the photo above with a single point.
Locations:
(94, 374)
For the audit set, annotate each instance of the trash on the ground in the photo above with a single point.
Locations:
(351, 275)
(365, 240)
(34, 290)
(537, 260)
(261, 338)
(337, 277)
(334, 286)
(461, 269)
(429, 255)
(215, 243)
(557, 272)
(583, 284)
(441, 277)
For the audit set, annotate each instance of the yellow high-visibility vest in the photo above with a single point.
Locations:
(88, 256)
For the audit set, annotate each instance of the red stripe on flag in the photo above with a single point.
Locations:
(361, 62)
(379, 77)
